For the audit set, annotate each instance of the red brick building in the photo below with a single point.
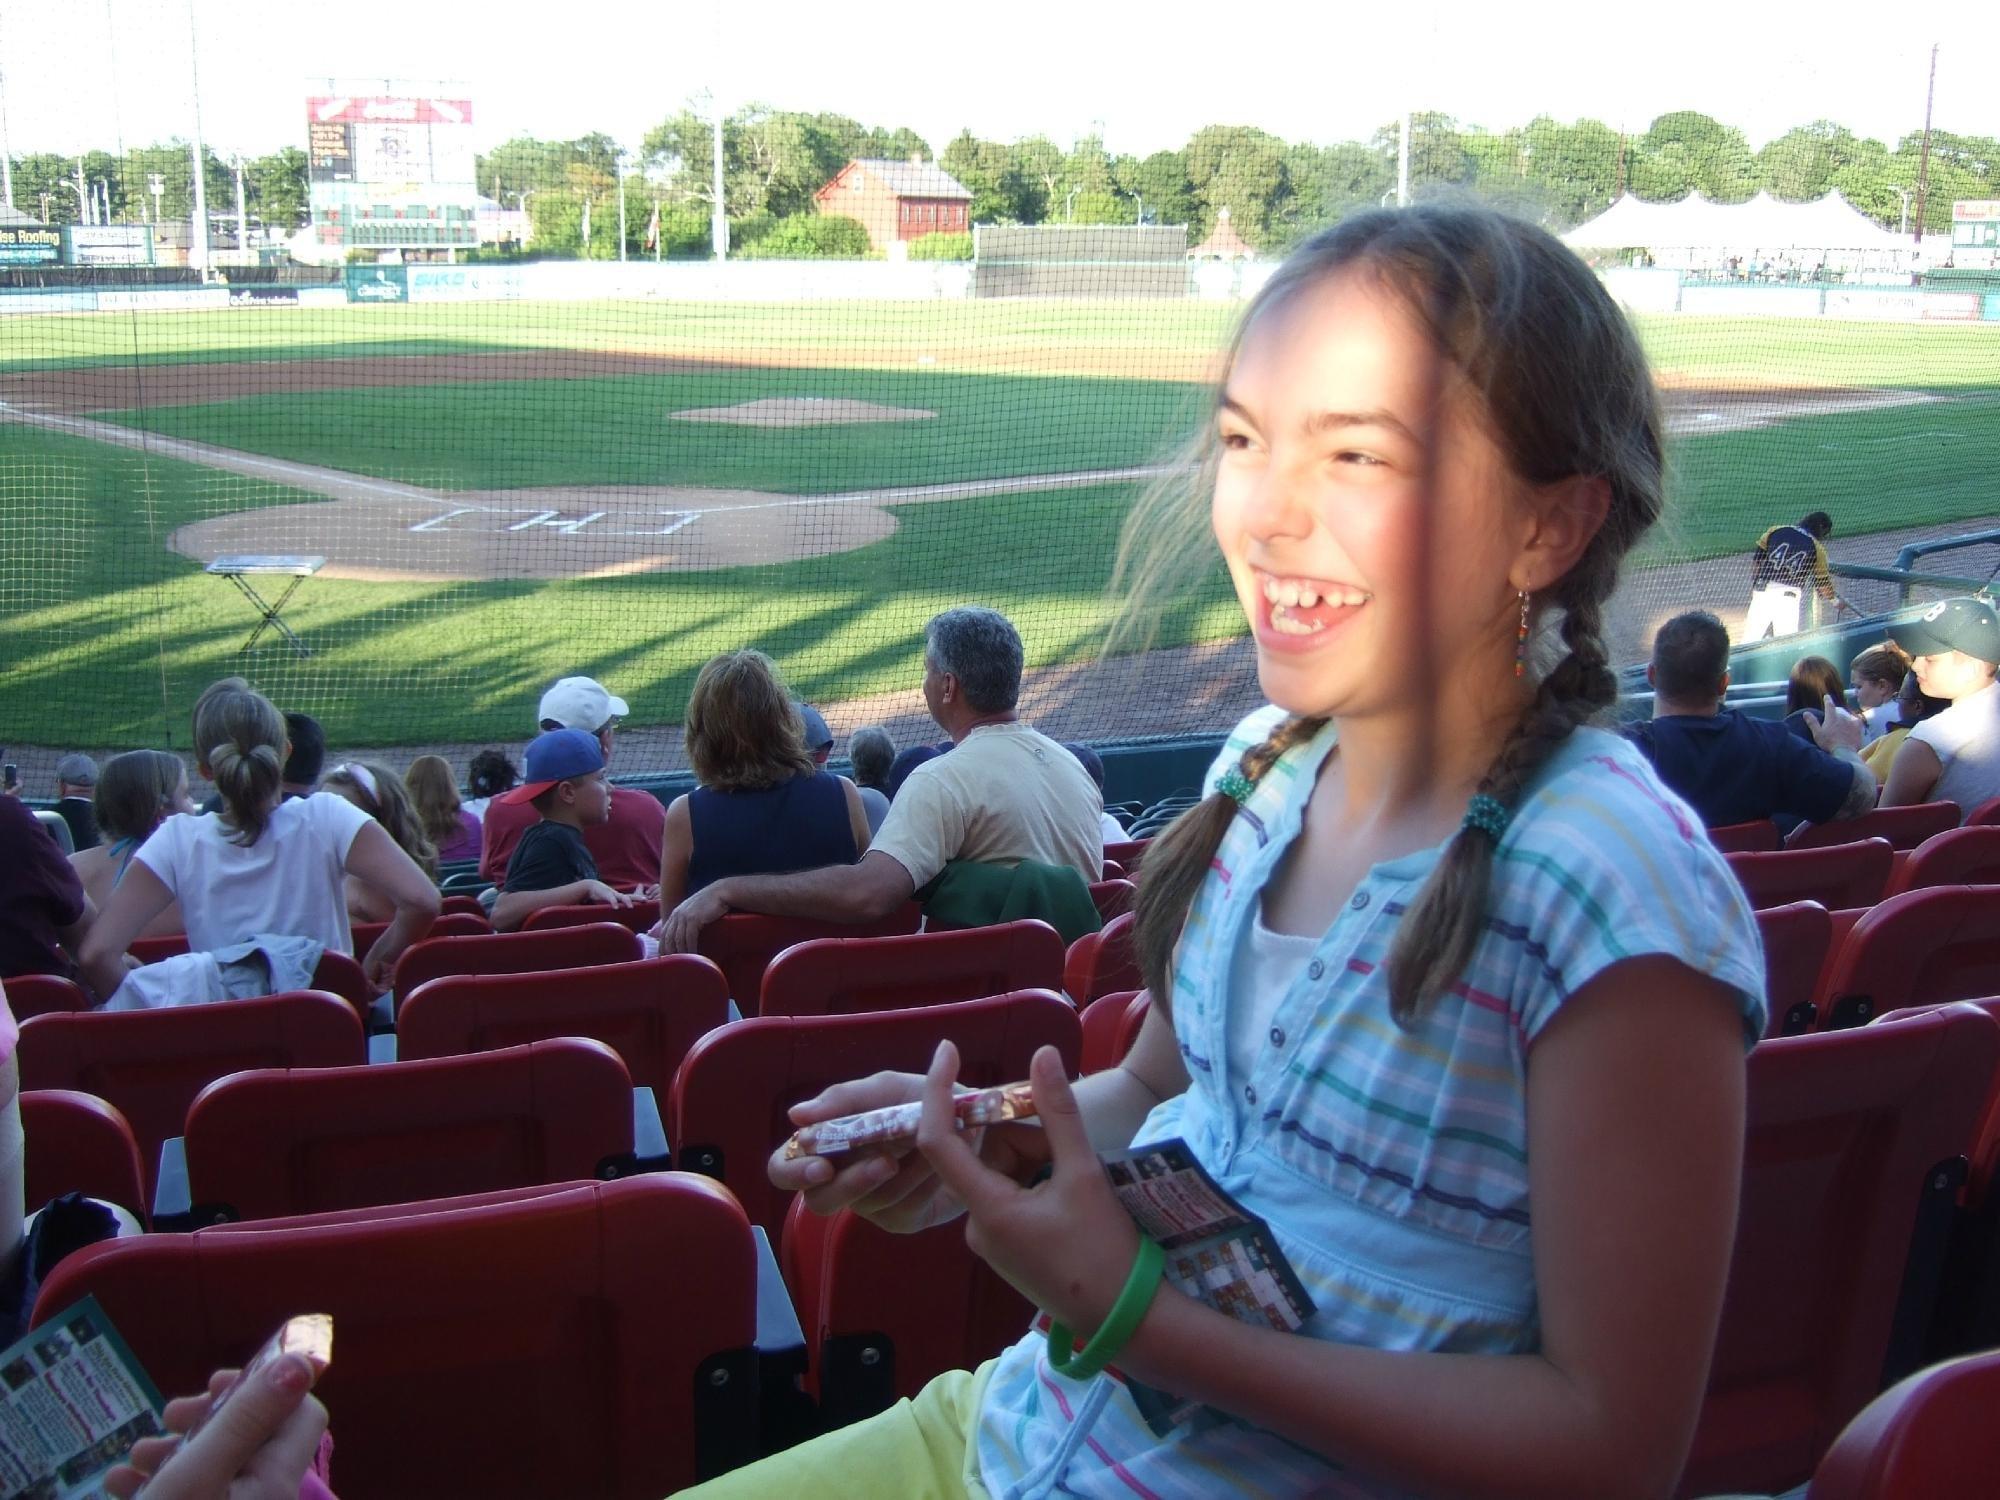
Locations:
(897, 200)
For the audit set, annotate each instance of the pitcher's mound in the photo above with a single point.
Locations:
(802, 411)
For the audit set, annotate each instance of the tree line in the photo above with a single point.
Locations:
(1276, 191)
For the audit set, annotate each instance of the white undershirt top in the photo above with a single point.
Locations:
(1264, 966)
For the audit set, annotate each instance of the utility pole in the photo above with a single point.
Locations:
(621, 207)
(198, 246)
(1924, 157)
(242, 220)
(1403, 161)
(6, 151)
(718, 223)
(156, 185)
(83, 199)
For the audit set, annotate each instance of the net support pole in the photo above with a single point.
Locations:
(718, 222)
(1403, 160)
(198, 245)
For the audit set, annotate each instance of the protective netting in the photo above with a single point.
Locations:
(527, 458)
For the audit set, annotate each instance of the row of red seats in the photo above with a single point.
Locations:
(1858, 1150)
(1903, 827)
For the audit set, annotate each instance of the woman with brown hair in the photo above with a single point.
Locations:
(762, 807)
(447, 823)
(137, 792)
(379, 792)
(1814, 679)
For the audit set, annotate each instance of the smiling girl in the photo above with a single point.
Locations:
(1447, 988)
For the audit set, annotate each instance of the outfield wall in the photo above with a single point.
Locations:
(751, 281)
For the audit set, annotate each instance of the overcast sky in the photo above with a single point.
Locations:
(105, 73)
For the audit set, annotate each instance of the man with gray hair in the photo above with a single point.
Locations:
(1004, 796)
(76, 785)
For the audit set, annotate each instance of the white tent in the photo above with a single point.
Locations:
(1764, 223)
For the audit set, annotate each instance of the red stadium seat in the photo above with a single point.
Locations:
(76, 1143)
(1113, 870)
(281, 1141)
(1986, 815)
(1920, 948)
(338, 973)
(150, 950)
(1112, 896)
(150, 1064)
(451, 904)
(743, 944)
(1959, 856)
(640, 916)
(883, 1312)
(587, 1339)
(1903, 827)
(1110, 1026)
(727, 1114)
(1746, 838)
(1099, 963)
(1129, 855)
(447, 924)
(649, 1012)
(1930, 1437)
(845, 976)
(1836, 875)
(516, 953)
(44, 994)
(1853, 1158)
(1796, 939)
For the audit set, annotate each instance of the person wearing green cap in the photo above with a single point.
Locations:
(1954, 756)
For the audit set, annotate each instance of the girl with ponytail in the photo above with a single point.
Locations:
(263, 866)
(1446, 987)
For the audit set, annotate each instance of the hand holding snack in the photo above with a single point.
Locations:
(890, 1183)
(258, 1447)
(1066, 1243)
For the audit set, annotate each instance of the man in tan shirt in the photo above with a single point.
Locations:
(1005, 793)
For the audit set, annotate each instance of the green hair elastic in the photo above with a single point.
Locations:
(1489, 815)
(1236, 786)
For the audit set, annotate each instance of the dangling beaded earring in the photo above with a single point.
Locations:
(1521, 639)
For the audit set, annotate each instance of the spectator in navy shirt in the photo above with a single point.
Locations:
(1735, 769)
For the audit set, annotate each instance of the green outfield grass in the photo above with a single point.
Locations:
(111, 635)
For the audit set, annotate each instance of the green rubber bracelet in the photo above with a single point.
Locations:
(1119, 1324)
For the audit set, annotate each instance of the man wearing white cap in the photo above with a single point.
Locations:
(1953, 756)
(627, 846)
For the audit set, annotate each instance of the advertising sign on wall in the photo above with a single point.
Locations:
(29, 245)
(108, 244)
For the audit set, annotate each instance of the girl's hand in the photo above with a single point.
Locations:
(897, 1190)
(1065, 1244)
(596, 892)
(257, 1448)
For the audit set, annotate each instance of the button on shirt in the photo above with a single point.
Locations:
(1391, 1164)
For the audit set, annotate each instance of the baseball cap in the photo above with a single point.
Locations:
(555, 755)
(818, 736)
(580, 703)
(77, 769)
(1969, 625)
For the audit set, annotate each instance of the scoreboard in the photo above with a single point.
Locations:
(391, 171)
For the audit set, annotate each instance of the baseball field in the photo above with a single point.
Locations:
(507, 492)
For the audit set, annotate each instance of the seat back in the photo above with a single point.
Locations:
(1112, 896)
(1852, 1161)
(1958, 856)
(1129, 855)
(727, 1112)
(281, 1141)
(44, 994)
(1796, 938)
(449, 905)
(445, 924)
(640, 916)
(1919, 948)
(1986, 815)
(1101, 963)
(76, 1143)
(150, 1064)
(338, 973)
(516, 953)
(1834, 875)
(883, 1313)
(1903, 827)
(1746, 838)
(649, 1012)
(1926, 1438)
(845, 976)
(743, 944)
(588, 1339)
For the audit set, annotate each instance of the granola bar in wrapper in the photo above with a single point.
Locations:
(880, 1129)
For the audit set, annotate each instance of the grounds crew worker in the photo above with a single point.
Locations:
(1787, 560)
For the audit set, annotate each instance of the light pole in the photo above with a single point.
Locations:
(1904, 194)
(242, 220)
(198, 246)
(156, 185)
(621, 207)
